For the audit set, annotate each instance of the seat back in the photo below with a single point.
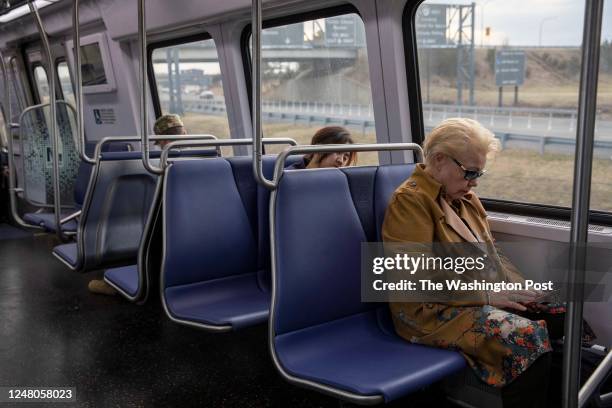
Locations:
(84, 172)
(388, 178)
(321, 219)
(208, 225)
(114, 212)
(263, 216)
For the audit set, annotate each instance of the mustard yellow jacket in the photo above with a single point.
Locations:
(416, 214)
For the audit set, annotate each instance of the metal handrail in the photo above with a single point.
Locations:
(256, 91)
(585, 132)
(219, 143)
(278, 172)
(594, 382)
(109, 139)
(53, 114)
(78, 82)
(142, 40)
(328, 148)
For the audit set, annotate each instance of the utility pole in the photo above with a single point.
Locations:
(464, 39)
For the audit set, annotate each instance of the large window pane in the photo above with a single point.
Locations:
(315, 73)
(64, 79)
(41, 83)
(17, 94)
(189, 83)
(518, 74)
(601, 185)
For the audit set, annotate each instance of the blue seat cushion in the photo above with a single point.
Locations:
(353, 354)
(235, 300)
(68, 253)
(125, 277)
(47, 221)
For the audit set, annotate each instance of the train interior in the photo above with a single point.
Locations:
(187, 235)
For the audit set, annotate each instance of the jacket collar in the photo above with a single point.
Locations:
(435, 191)
(429, 185)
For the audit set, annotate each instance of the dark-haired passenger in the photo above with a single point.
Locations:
(328, 135)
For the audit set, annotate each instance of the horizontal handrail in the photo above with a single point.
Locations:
(371, 147)
(71, 217)
(110, 139)
(219, 143)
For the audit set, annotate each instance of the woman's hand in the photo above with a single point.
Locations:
(512, 299)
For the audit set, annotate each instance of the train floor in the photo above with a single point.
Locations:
(53, 332)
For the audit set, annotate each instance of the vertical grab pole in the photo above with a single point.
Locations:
(11, 162)
(78, 91)
(256, 91)
(53, 113)
(144, 135)
(580, 200)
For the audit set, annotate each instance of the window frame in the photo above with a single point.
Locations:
(18, 84)
(203, 36)
(303, 17)
(418, 131)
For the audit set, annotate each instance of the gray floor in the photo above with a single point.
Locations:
(54, 333)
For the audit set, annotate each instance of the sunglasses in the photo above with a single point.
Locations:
(469, 174)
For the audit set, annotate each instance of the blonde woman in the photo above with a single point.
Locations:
(437, 204)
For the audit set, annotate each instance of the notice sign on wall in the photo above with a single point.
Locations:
(104, 116)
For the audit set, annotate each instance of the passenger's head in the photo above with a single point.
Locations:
(168, 125)
(331, 135)
(454, 146)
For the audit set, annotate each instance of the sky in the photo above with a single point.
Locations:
(512, 22)
(518, 22)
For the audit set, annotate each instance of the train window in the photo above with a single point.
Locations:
(518, 74)
(41, 83)
(66, 84)
(601, 185)
(188, 82)
(315, 73)
(17, 93)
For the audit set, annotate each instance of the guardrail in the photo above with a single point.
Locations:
(535, 128)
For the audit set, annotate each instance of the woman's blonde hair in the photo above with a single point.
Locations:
(455, 136)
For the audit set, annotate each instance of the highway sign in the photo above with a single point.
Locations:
(291, 35)
(431, 26)
(344, 31)
(509, 67)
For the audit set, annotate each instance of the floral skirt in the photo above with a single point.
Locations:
(498, 344)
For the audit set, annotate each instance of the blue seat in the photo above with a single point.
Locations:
(235, 301)
(47, 221)
(215, 273)
(113, 214)
(67, 253)
(132, 281)
(205, 260)
(124, 278)
(322, 335)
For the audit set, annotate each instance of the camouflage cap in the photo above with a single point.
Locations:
(166, 122)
